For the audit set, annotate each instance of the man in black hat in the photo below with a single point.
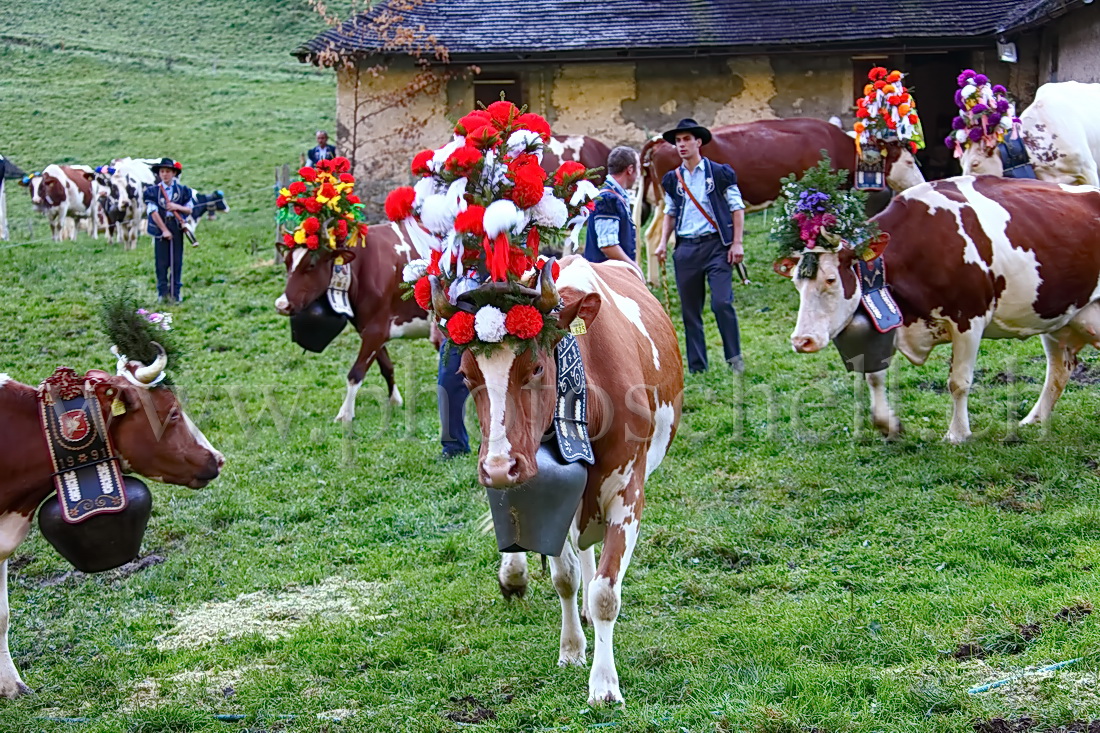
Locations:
(168, 201)
(703, 207)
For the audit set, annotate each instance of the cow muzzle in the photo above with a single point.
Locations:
(807, 344)
(499, 471)
(282, 305)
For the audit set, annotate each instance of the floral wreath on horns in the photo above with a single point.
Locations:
(485, 206)
(986, 114)
(886, 112)
(821, 215)
(319, 210)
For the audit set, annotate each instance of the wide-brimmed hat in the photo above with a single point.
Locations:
(688, 125)
(167, 163)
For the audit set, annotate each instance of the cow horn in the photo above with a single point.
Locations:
(548, 298)
(440, 304)
(151, 374)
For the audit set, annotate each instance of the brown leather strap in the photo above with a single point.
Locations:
(697, 205)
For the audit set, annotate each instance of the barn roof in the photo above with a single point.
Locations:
(519, 30)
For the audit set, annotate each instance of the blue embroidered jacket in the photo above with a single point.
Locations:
(719, 177)
(153, 196)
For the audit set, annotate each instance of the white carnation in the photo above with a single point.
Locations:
(520, 140)
(415, 270)
(502, 216)
(550, 211)
(489, 324)
(585, 192)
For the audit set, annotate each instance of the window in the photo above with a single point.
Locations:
(489, 88)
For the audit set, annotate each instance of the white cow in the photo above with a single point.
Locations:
(1061, 131)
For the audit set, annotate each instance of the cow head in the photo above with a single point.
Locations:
(902, 171)
(828, 293)
(45, 190)
(308, 273)
(149, 429)
(515, 392)
(981, 160)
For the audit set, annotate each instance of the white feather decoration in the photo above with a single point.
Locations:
(586, 191)
(502, 216)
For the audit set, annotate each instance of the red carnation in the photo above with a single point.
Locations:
(347, 178)
(463, 161)
(880, 84)
(363, 229)
(568, 171)
(296, 188)
(535, 123)
(328, 191)
(527, 192)
(877, 72)
(324, 165)
(862, 112)
(311, 225)
(433, 263)
(503, 113)
(913, 119)
(399, 204)
(308, 173)
(471, 221)
(420, 163)
(352, 198)
(288, 240)
(471, 122)
(280, 201)
(518, 262)
(341, 164)
(460, 327)
(554, 271)
(312, 205)
(523, 321)
(483, 138)
(312, 242)
(422, 293)
(341, 228)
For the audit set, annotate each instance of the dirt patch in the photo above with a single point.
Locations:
(1085, 374)
(469, 709)
(1026, 724)
(1006, 378)
(1073, 614)
(18, 562)
(270, 615)
(120, 573)
(969, 650)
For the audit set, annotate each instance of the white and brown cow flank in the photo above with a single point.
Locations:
(61, 193)
(635, 380)
(381, 312)
(972, 258)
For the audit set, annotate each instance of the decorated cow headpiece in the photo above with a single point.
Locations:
(886, 113)
(319, 209)
(485, 205)
(142, 340)
(819, 215)
(986, 114)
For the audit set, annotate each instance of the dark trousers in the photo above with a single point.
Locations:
(452, 401)
(168, 258)
(700, 263)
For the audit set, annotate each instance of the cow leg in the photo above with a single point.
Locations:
(1060, 359)
(964, 353)
(588, 569)
(11, 684)
(883, 418)
(372, 344)
(565, 572)
(605, 591)
(385, 365)
(512, 575)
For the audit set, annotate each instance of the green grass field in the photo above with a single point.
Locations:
(794, 572)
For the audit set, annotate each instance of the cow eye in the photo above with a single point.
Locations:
(831, 280)
(538, 371)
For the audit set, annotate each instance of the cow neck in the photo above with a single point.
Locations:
(27, 476)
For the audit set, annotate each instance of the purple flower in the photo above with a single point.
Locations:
(958, 123)
(994, 119)
(959, 98)
(812, 200)
(1003, 105)
(981, 79)
(949, 141)
(998, 89)
(141, 311)
(963, 77)
(978, 109)
(975, 134)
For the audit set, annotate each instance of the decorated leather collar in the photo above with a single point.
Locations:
(87, 474)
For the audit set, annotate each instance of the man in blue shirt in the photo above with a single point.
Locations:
(323, 151)
(167, 202)
(703, 207)
(610, 234)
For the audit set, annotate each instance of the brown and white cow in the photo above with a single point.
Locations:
(588, 151)
(972, 258)
(64, 192)
(761, 153)
(635, 381)
(153, 437)
(380, 311)
(1061, 132)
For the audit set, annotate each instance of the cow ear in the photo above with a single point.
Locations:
(115, 397)
(877, 246)
(585, 306)
(785, 266)
(344, 254)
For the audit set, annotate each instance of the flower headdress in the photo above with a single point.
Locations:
(886, 112)
(140, 334)
(820, 216)
(319, 210)
(986, 114)
(485, 206)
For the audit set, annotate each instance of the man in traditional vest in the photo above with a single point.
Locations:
(323, 151)
(703, 207)
(168, 202)
(611, 233)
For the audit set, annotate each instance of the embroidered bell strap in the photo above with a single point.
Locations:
(86, 468)
(870, 176)
(877, 300)
(571, 410)
(1014, 158)
(338, 288)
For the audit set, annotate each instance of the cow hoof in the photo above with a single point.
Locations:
(610, 697)
(512, 591)
(956, 439)
(12, 690)
(395, 398)
(343, 418)
(571, 660)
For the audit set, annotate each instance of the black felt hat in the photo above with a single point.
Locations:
(688, 125)
(168, 163)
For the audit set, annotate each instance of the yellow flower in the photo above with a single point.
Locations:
(284, 192)
(344, 187)
(300, 236)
